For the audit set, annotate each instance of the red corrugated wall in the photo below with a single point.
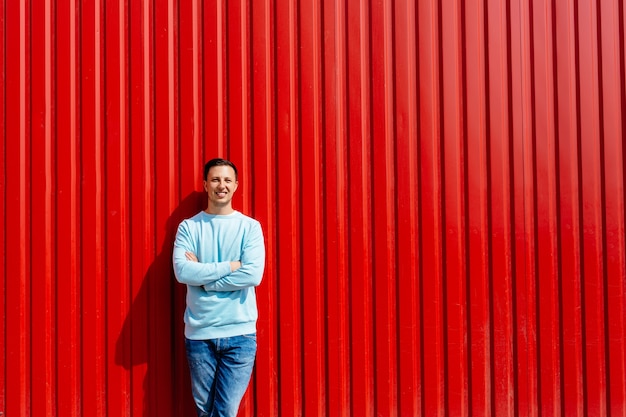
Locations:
(441, 185)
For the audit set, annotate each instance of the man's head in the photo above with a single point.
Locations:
(220, 183)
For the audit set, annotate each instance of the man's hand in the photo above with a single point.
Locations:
(235, 266)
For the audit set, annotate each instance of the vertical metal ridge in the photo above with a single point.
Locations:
(612, 52)
(476, 207)
(92, 207)
(406, 173)
(383, 183)
(344, 385)
(289, 256)
(116, 292)
(265, 184)
(456, 311)
(336, 261)
(42, 305)
(134, 345)
(196, 52)
(312, 216)
(173, 77)
(147, 88)
(66, 239)
(17, 317)
(192, 129)
(430, 26)
(211, 77)
(221, 81)
(244, 57)
(569, 215)
(360, 255)
(523, 201)
(593, 268)
(548, 319)
(504, 393)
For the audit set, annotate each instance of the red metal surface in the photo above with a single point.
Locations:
(441, 186)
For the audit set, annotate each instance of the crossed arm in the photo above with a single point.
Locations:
(222, 276)
(192, 257)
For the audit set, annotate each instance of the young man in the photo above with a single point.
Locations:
(220, 255)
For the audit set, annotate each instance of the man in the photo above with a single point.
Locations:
(220, 255)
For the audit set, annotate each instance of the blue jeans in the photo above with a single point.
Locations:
(220, 373)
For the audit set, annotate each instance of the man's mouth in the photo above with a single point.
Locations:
(221, 194)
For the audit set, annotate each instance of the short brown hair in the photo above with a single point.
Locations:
(218, 162)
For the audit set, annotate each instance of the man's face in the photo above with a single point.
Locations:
(220, 184)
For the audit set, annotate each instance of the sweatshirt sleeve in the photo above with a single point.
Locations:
(252, 265)
(190, 272)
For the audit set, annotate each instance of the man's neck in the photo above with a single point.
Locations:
(221, 211)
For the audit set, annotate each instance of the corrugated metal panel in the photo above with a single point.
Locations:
(441, 185)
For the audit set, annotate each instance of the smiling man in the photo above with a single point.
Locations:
(220, 255)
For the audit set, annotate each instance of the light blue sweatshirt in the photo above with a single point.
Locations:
(220, 303)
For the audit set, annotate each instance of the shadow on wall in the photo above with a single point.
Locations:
(151, 343)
